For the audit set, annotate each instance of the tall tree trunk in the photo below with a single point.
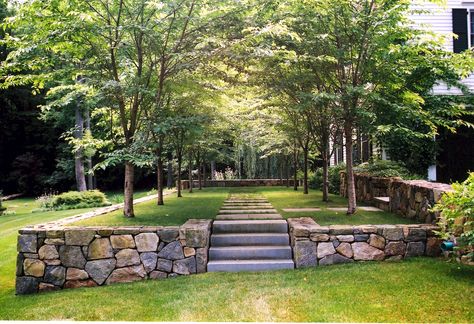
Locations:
(169, 178)
(213, 170)
(325, 158)
(78, 155)
(199, 164)
(190, 172)
(295, 169)
(204, 174)
(159, 171)
(128, 190)
(90, 176)
(305, 170)
(178, 176)
(352, 204)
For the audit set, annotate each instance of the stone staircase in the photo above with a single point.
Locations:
(249, 235)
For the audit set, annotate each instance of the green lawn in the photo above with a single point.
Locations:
(418, 290)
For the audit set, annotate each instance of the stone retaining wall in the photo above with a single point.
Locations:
(315, 245)
(408, 198)
(72, 257)
(238, 183)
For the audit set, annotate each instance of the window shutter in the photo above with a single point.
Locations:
(460, 29)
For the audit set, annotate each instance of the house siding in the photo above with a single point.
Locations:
(438, 18)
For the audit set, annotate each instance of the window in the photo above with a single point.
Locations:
(471, 28)
(463, 27)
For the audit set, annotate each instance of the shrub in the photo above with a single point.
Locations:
(386, 169)
(457, 215)
(73, 200)
(316, 179)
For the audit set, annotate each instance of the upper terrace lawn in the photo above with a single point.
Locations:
(206, 203)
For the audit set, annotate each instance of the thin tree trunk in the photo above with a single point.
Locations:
(287, 169)
(178, 177)
(204, 174)
(352, 204)
(169, 179)
(78, 157)
(190, 172)
(159, 174)
(199, 164)
(325, 158)
(90, 176)
(305, 171)
(128, 190)
(295, 169)
(213, 170)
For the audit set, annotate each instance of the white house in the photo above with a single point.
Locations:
(454, 20)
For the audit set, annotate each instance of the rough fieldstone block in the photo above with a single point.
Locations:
(45, 287)
(345, 238)
(415, 249)
(172, 251)
(164, 265)
(201, 260)
(26, 285)
(433, 246)
(393, 233)
(71, 256)
(158, 275)
(99, 270)
(19, 264)
(128, 274)
(395, 248)
(334, 259)
(76, 274)
(168, 234)
(33, 267)
(345, 249)
(79, 283)
(364, 252)
(414, 234)
(377, 241)
(127, 257)
(122, 241)
(55, 234)
(100, 248)
(316, 237)
(54, 241)
(185, 266)
(27, 243)
(48, 252)
(147, 242)
(361, 237)
(55, 275)
(324, 249)
(305, 254)
(79, 236)
(149, 260)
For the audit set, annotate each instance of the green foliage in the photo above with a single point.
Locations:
(73, 200)
(2, 209)
(457, 214)
(316, 179)
(386, 169)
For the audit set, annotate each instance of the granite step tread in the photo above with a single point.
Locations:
(248, 216)
(254, 252)
(249, 265)
(248, 211)
(241, 239)
(250, 226)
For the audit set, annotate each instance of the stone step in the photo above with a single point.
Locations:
(247, 201)
(243, 239)
(248, 211)
(249, 265)
(248, 216)
(266, 206)
(250, 226)
(250, 252)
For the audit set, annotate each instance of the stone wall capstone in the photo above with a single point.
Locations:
(52, 258)
(315, 245)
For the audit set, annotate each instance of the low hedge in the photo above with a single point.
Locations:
(74, 200)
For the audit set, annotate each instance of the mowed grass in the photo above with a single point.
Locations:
(176, 211)
(416, 290)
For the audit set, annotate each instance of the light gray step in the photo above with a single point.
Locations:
(248, 211)
(248, 216)
(249, 265)
(246, 201)
(243, 239)
(246, 207)
(249, 226)
(250, 252)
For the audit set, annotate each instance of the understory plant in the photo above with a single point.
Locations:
(386, 169)
(73, 200)
(2, 209)
(334, 178)
(457, 216)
